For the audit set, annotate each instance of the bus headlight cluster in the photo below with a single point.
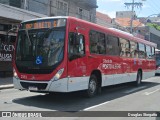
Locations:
(58, 74)
(15, 73)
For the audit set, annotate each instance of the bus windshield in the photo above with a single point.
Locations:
(40, 49)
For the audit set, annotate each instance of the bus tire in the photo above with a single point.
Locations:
(138, 79)
(92, 86)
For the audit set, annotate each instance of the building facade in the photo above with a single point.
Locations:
(12, 12)
(125, 14)
(83, 9)
(104, 20)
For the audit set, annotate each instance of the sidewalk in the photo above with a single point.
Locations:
(6, 82)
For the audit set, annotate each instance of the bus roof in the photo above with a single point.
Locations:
(117, 33)
(46, 18)
(113, 31)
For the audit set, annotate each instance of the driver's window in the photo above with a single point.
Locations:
(81, 44)
(76, 44)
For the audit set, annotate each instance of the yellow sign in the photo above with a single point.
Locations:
(39, 25)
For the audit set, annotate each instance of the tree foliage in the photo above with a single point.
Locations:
(154, 25)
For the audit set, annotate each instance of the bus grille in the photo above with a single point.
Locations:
(40, 86)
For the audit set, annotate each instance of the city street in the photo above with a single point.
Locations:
(124, 97)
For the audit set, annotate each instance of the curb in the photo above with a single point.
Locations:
(6, 86)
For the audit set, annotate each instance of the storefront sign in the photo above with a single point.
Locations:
(6, 52)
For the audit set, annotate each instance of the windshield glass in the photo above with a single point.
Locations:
(40, 50)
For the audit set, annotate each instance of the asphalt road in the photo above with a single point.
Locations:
(125, 97)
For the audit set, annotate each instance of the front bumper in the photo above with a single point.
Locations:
(42, 86)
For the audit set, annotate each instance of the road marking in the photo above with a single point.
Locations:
(134, 89)
(96, 106)
(149, 93)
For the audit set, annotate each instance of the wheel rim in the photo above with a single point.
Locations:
(92, 86)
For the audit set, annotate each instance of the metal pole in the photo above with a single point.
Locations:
(131, 25)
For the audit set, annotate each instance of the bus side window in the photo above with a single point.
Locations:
(153, 53)
(93, 42)
(142, 51)
(148, 52)
(125, 48)
(112, 46)
(97, 42)
(101, 44)
(134, 49)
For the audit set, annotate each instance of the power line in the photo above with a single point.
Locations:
(133, 5)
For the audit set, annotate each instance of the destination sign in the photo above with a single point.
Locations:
(51, 23)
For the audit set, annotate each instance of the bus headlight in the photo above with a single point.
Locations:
(58, 74)
(15, 74)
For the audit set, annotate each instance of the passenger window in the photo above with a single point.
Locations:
(97, 42)
(148, 51)
(112, 46)
(152, 53)
(142, 51)
(125, 48)
(134, 49)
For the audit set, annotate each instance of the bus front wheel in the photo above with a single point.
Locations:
(92, 86)
(139, 78)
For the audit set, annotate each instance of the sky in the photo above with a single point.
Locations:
(110, 7)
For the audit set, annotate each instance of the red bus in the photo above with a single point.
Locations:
(66, 54)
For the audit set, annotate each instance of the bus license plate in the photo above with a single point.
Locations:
(33, 88)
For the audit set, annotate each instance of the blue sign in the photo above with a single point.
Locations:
(39, 60)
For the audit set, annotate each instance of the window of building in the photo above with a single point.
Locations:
(142, 50)
(15, 3)
(125, 48)
(80, 12)
(134, 49)
(112, 46)
(83, 14)
(63, 6)
(97, 42)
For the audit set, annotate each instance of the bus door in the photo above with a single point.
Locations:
(77, 60)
